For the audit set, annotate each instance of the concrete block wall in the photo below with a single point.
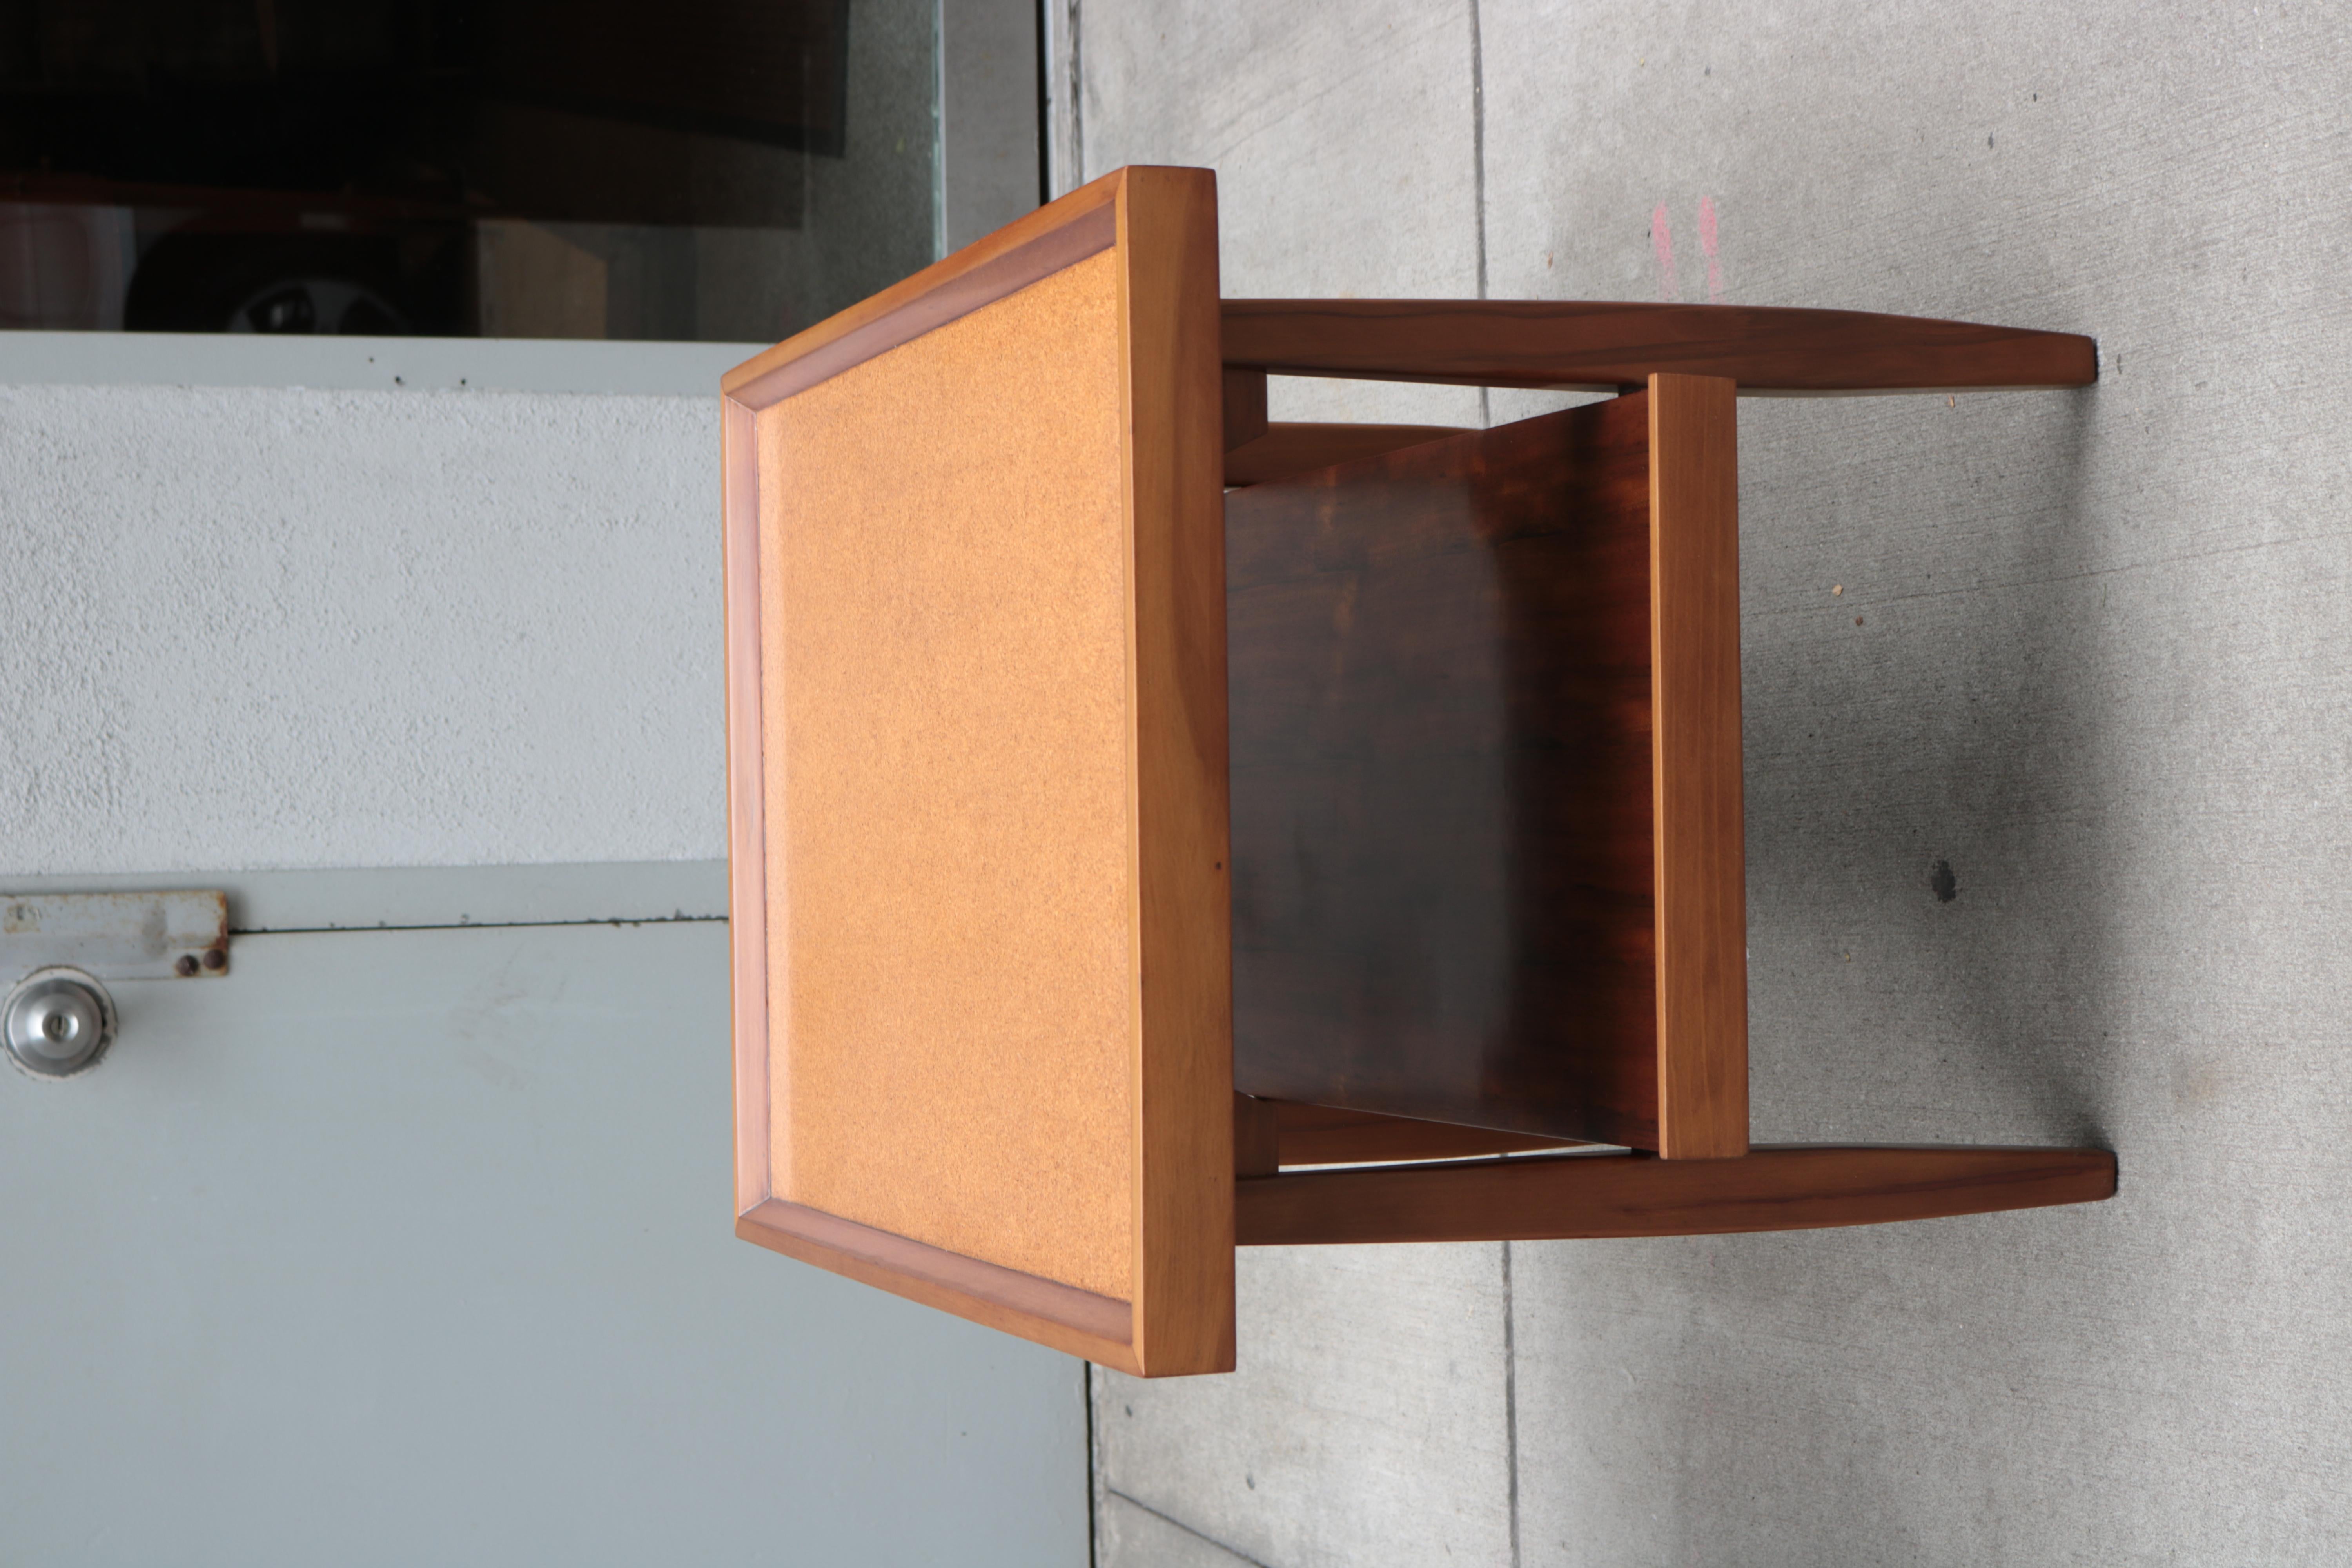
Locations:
(2092, 653)
(279, 626)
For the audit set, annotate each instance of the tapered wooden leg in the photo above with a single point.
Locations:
(1577, 345)
(1789, 1187)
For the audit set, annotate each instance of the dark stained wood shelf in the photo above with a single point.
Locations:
(1269, 1134)
(1280, 450)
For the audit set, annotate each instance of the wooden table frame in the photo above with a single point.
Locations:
(1210, 1168)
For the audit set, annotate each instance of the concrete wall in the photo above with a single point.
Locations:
(2093, 651)
(262, 627)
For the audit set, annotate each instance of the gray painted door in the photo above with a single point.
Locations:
(414, 1245)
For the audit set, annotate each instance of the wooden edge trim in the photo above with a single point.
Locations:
(1566, 1196)
(1044, 1310)
(747, 907)
(1042, 243)
(1286, 447)
(1600, 346)
(1697, 823)
(1331, 1135)
(1173, 405)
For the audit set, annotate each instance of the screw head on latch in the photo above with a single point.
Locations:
(57, 1022)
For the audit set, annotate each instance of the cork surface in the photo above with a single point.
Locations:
(945, 721)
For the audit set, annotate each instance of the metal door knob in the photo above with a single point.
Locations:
(57, 1022)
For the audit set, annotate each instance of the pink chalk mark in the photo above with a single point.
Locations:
(1706, 243)
(1662, 237)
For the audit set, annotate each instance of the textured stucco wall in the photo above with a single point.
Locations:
(254, 627)
(2094, 650)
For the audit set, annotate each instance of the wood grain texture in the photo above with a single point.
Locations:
(1245, 397)
(976, 729)
(1257, 1137)
(1328, 1135)
(1698, 835)
(1284, 448)
(1443, 893)
(1183, 1084)
(1052, 1313)
(1573, 346)
(1797, 1187)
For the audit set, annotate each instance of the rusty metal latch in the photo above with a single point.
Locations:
(57, 950)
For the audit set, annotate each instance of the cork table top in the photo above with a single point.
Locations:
(977, 780)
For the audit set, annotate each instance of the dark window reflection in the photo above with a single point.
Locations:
(711, 169)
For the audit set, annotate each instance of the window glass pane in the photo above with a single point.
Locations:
(721, 170)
